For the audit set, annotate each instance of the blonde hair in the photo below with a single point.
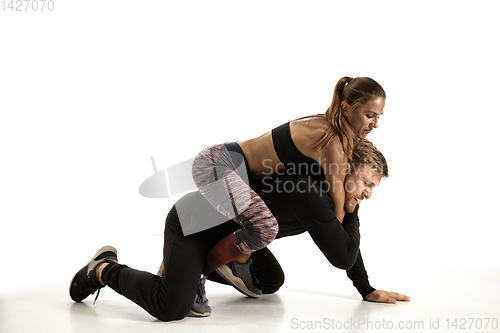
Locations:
(365, 153)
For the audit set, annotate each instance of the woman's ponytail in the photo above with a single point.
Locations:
(354, 92)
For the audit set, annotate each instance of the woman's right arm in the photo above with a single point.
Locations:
(334, 163)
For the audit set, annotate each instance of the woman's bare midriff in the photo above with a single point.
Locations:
(261, 155)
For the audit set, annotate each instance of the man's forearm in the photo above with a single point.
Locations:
(357, 273)
(359, 277)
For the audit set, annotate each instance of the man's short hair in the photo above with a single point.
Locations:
(366, 153)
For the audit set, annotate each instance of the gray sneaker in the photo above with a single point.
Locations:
(200, 306)
(240, 276)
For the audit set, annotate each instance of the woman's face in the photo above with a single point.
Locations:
(365, 117)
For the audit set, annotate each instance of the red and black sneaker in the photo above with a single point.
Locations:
(85, 283)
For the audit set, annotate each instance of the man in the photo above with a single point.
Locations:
(306, 207)
(300, 204)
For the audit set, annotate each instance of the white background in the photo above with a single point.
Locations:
(91, 90)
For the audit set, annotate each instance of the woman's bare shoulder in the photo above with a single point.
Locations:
(313, 129)
(307, 133)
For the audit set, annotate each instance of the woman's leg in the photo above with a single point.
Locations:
(219, 179)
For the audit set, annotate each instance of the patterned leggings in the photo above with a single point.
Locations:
(221, 176)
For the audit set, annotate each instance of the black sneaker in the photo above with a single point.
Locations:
(200, 307)
(85, 283)
(241, 276)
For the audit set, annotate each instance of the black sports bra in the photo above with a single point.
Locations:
(288, 153)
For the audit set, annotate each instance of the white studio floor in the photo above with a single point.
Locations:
(322, 300)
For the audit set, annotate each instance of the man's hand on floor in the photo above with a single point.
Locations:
(382, 296)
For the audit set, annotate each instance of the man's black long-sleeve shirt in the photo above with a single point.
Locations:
(300, 204)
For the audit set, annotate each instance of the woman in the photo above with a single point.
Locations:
(326, 139)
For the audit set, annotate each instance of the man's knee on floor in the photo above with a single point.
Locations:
(272, 284)
(270, 289)
(172, 312)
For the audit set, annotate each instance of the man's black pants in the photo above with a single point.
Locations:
(170, 296)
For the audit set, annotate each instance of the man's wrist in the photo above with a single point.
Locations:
(364, 288)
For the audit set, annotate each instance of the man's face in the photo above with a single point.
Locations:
(359, 185)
